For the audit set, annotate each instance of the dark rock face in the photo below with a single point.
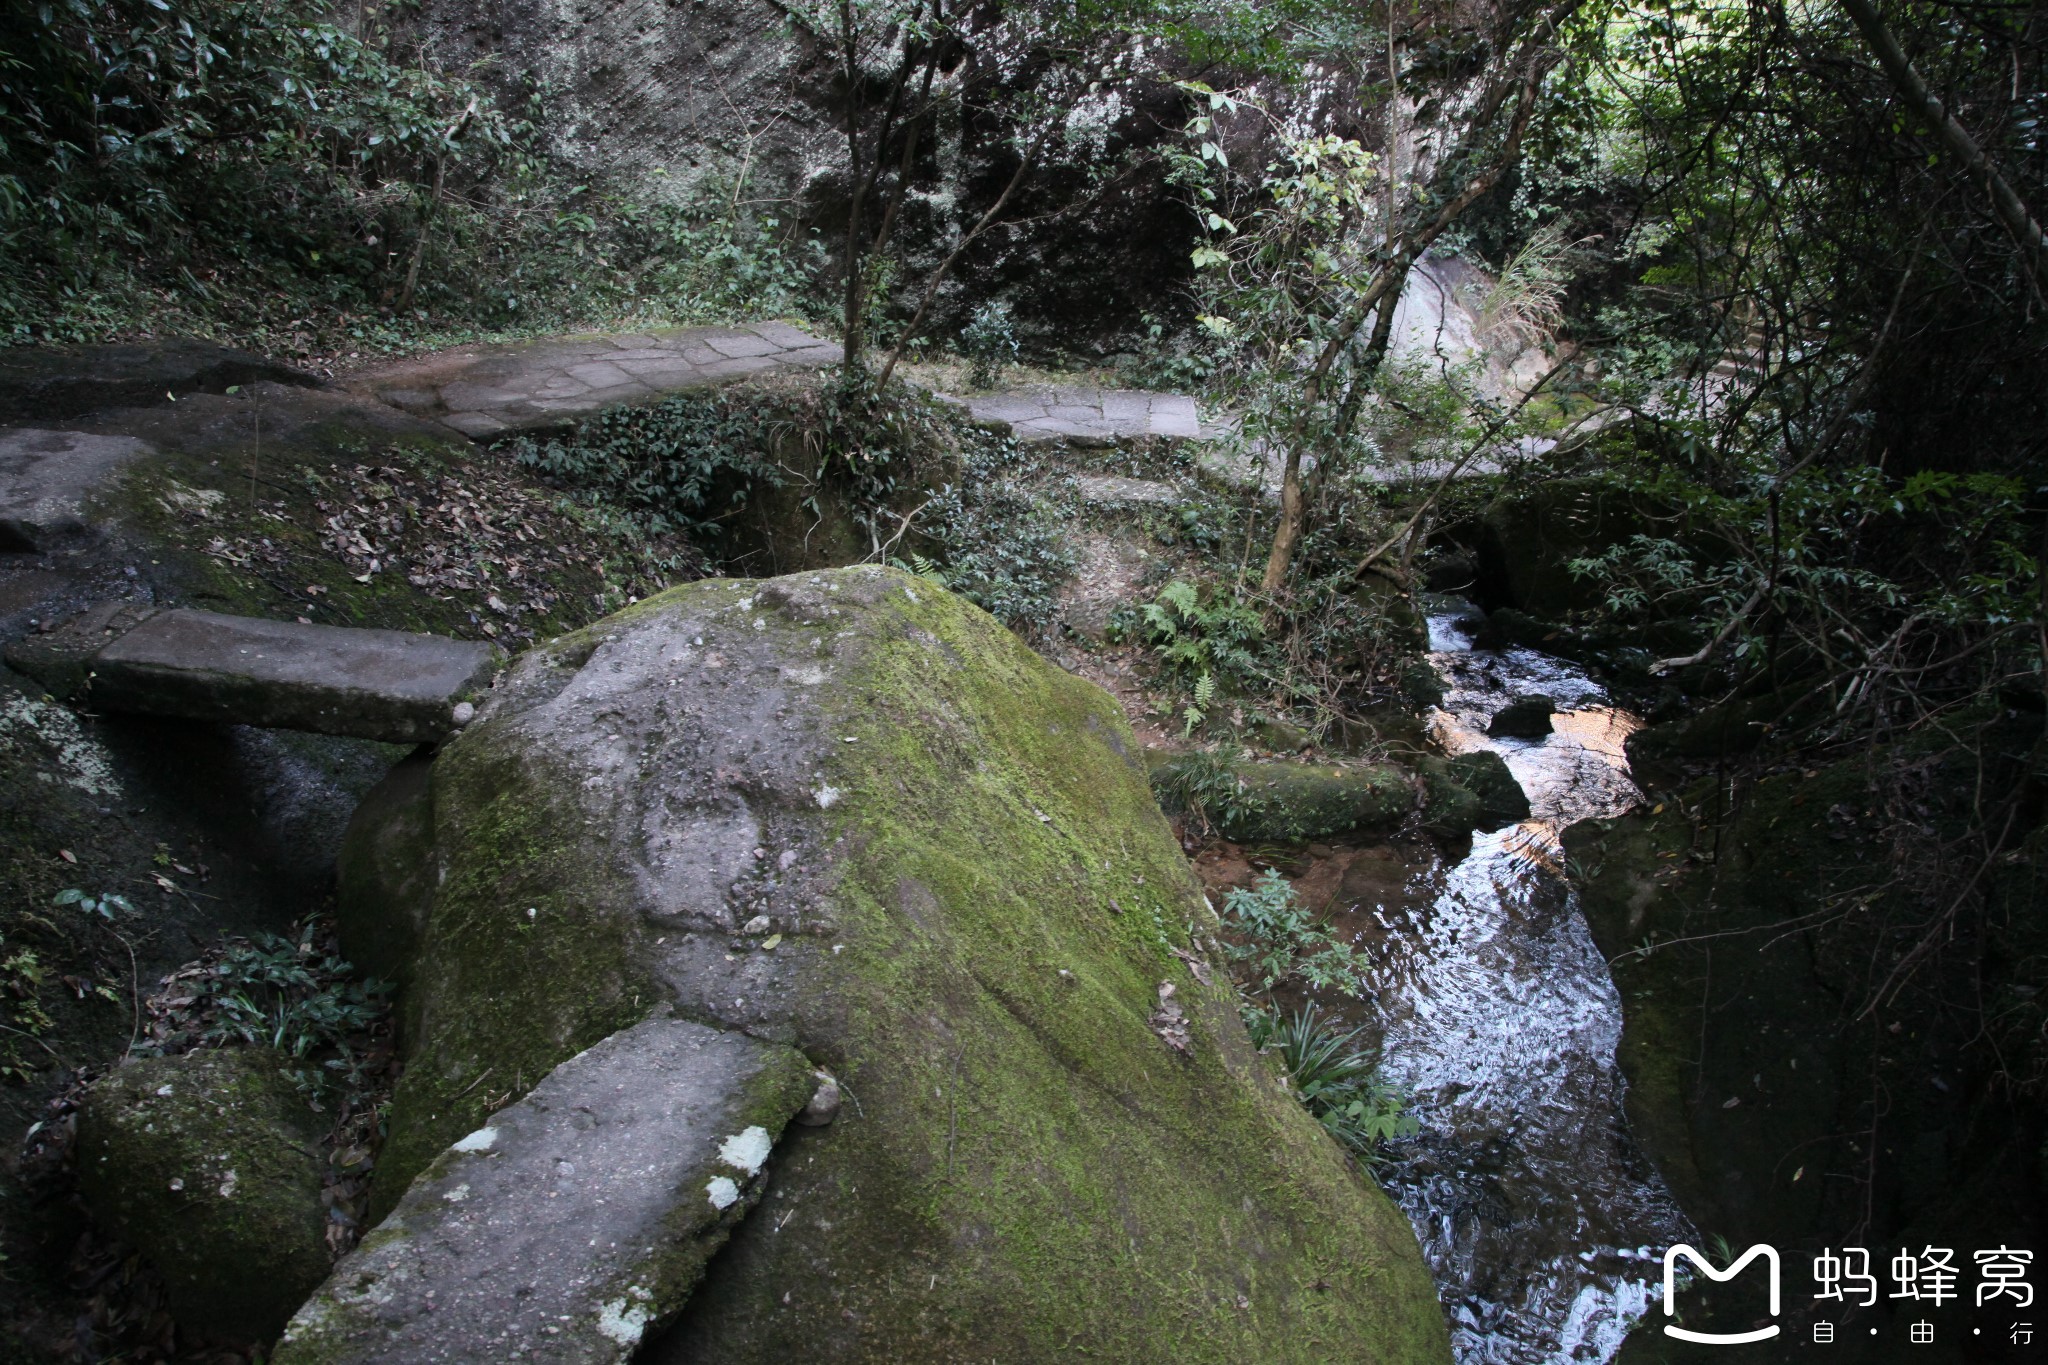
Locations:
(655, 1139)
(46, 478)
(849, 815)
(208, 1163)
(1526, 717)
(1528, 539)
(1749, 922)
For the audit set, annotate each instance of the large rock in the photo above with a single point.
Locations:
(850, 813)
(1289, 802)
(655, 1138)
(47, 478)
(209, 1164)
(45, 383)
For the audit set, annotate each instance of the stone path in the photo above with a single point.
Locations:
(485, 391)
(1087, 416)
(198, 665)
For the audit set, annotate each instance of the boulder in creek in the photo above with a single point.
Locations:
(846, 823)
(1524, 717)
(209, 1163)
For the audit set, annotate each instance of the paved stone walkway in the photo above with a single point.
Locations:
(1085, 416)
(484, 391)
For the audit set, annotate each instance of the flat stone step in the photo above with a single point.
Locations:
(200, 665)
(489, 391)
(578, 1221)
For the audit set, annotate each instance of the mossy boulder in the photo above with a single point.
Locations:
(210, 1164)
(1288, 802)
(849, 813)
(384, 873)
(1529, 537)
(1470, 791)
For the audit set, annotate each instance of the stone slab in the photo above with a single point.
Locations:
(47, 477)
(50, 383)
(578, 1220)
(367, 684)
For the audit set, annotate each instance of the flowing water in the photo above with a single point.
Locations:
(1542, 1222)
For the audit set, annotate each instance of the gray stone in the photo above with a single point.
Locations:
(385, 873)
(574, 1222)
(209, 1164)
(61, 659)
(738, 344)
(370, 684)
(48, 477)
(50, 383)
(1174, 415)
(1524, 717)
(940, 881)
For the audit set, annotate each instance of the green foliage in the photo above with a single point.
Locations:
(1337, 1080)
(287, 995)
(680, 465)
(1202, 639)
(1283, 939)
(1202, 784)
(22, 978)
(1004, 532)
(989, 340)
(104, 905)
(301, 179)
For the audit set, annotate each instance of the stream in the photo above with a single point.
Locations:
(1542, 1222)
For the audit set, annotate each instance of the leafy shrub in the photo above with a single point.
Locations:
(667, 468)
(1004, 532)
(287, 996)
(990, 341)
(1282, 938)
(1218, 637)
(1336, 1080)
(295, 177)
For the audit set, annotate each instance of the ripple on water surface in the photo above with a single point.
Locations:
(1543, 1223)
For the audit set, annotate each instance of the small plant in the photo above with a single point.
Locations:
(286, 995)
(1220, 637)
(22, 977)
(1336, 1080)
(1197, 711)
(990, 341)
(1283, 938)
(1202, 784)
(104, 905)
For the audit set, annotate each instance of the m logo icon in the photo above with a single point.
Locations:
(1770, 1256)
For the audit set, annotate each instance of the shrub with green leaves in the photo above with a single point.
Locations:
(990, 341)
(1283, 939)
(1335, 1078)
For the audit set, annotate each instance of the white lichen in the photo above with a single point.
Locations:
(722, 1192)
(480, 1141)
(747, 1150)
(79, 760)
(622, 1322)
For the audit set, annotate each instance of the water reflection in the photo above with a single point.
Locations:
(1537, 1214)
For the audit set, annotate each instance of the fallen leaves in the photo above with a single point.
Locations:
(1170, 1022)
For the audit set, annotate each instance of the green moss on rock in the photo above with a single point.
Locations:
(209, 1164)
(1296, 802)
(850, 811)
